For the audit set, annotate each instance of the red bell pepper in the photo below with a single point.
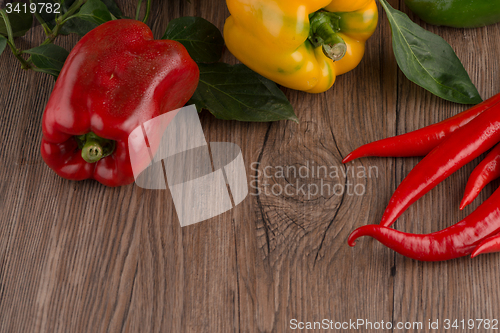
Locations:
(116, 78)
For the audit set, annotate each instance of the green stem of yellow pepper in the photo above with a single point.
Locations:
(323, 32)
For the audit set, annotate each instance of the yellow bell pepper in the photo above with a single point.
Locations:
(300, 44)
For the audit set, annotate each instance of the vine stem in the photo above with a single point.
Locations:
(148, 9)
(46, 28)
(74, 7)
(63, 19)
(138, 11)
(60, 22)
(10, 35)
(24, 64)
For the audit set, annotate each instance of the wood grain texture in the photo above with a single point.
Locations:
(80, 257)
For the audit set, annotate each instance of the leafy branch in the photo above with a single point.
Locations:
(75, 16)
(228, 92)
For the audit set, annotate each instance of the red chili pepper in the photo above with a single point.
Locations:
(116, 78)
(453, 242)
(486, 172)
(421, 141)
(461, 147)
(488, 245)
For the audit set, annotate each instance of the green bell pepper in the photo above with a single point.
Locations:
(457, 13)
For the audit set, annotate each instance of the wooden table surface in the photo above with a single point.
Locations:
(80, 257)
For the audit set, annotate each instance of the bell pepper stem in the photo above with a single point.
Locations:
(94, 148)
(323, 32)
(92, 151)
(335, 48)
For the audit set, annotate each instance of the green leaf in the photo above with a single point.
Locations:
(20, 22)
(202, 39)
(91, 14)
(94, 11)
(3, 43)
(49, 58)
(113, 8)
(238, 93)
(428, 60)
(75, 24)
